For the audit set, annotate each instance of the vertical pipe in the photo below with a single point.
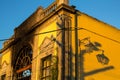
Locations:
(76, 46)
(63, 51)
(69, 50)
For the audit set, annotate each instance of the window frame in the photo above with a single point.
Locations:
(46, 64)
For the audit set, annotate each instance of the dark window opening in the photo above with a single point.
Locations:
(3, 77)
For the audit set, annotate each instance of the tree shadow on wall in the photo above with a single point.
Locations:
(82, 72)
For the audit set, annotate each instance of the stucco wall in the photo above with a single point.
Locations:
(6, 64)
(104, 37)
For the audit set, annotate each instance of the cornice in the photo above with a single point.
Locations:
(55, 12)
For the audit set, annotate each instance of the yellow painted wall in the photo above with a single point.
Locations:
(50, 27)
(6, 56)
(109, 39)
(6, 64)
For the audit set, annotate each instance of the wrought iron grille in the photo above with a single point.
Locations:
(23, 64)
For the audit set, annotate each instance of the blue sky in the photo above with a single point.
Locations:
(14, 12)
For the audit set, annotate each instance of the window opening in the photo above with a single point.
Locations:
(3, 77)
(46, 68)
(23, 64)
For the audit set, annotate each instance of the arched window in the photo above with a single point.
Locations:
(23, 64)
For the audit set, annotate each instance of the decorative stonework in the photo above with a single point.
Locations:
(4, 67)
(47, 45)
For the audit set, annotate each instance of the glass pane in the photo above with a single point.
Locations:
(44, 64)
(48, 78)
(48, 63)
(47, 71)
(43, 79)
(43, 73)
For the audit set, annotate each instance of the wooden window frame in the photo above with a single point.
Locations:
(46, 64)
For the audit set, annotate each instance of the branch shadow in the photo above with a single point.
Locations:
(98, 70)
(82, 72)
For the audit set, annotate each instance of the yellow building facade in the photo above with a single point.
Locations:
(61, 43)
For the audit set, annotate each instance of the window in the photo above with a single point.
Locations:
(3, 77)
(23, 64)
(46, 68)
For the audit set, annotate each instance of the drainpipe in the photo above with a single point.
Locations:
(63, 51)
(76, 45)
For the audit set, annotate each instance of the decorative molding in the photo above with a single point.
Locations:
(4, 66)
(4, 63)
(47, 45)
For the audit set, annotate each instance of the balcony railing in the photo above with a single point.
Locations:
(49, 9)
